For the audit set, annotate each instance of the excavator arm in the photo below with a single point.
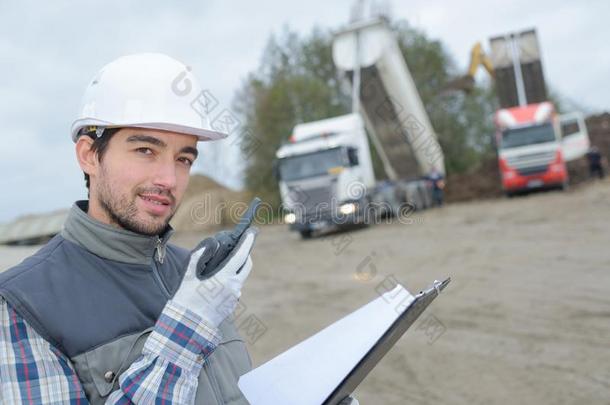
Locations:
(477, 58)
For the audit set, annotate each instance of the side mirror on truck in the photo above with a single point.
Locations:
(352, 156)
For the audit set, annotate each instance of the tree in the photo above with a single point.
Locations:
(297, 82)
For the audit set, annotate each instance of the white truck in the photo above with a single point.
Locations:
(325, 171)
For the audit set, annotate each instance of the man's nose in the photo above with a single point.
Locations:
(165, 175)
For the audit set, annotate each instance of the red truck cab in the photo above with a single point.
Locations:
(530, 148)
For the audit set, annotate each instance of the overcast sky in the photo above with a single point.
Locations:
(50, 50)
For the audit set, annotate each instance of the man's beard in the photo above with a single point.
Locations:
(123, 211)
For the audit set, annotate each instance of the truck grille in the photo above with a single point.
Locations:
(312, 200)
(531, 160)
(528, 171)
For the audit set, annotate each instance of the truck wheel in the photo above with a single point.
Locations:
(306, 234)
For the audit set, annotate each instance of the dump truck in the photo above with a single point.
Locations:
(325, 170)
(534, 142)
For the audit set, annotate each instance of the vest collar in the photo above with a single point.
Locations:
(110, 242)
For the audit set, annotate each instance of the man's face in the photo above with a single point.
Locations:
(142, 178)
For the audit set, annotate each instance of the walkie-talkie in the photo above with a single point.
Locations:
(219, 247)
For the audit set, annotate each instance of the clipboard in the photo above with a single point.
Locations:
(386, 342)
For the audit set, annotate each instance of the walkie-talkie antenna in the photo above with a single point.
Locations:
(246, 219)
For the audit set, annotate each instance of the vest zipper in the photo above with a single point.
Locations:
(160, 249)
(160, 256)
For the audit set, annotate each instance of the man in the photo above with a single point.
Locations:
(89, 317)
(108, 311)
(438, 185)
(596, 168)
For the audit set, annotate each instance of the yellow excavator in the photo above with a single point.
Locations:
(478, 57)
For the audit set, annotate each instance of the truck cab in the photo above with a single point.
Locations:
(324, 174)
(530, 148)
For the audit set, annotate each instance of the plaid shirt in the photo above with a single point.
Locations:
(32, 371)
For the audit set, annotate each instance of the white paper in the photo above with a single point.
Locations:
(309, 372)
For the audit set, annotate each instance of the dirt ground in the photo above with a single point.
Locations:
(525, 320)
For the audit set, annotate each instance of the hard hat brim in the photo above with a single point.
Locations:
(202, 135)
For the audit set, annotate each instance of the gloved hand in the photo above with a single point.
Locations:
(215, 298)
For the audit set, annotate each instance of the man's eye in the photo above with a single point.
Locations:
(186, 161)
(145, 151)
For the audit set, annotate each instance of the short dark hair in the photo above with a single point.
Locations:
(99, 146)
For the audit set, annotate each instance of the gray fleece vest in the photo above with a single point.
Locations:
(95, 293)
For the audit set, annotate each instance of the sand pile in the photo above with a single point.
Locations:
(481, 182)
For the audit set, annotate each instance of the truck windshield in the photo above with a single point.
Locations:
(310, 165)
(512, 138)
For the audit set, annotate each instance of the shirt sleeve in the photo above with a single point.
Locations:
(32, 371)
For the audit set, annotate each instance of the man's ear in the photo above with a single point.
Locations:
(87, 158)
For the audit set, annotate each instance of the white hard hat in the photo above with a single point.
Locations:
(147, 90)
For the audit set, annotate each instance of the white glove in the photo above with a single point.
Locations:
(215, 298)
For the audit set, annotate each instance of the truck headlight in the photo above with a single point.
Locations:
(556, 167)
(290, 218)
(347, 209)
(509, 174)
